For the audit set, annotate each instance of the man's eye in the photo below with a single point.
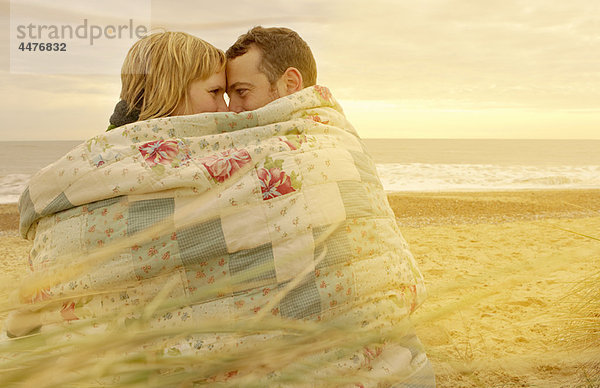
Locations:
(241, 92)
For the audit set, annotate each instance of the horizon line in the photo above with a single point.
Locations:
(363, 138)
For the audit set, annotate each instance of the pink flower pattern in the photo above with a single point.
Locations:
(274, 183)
(323, 92)
(292, 147)
(68, 311)
(317, 118)
(41, 295)
(223, 165)
(159, 151)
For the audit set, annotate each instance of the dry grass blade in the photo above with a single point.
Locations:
(583, 334)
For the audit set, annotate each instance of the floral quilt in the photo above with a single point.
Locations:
(234, 207)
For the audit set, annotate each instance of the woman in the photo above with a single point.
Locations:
(170, 74)
(164, 74)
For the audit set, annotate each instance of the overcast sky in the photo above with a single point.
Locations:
(412, 69)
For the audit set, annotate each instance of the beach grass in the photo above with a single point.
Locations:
(513, 283)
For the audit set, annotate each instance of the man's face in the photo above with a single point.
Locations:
(247, 87)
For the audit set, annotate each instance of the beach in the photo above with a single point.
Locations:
(500, 268)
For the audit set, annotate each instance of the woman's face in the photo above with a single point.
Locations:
(207, 95)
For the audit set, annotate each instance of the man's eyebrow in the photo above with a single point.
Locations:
(238, 84)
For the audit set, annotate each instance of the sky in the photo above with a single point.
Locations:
(400, 69)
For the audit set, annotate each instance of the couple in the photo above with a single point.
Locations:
(273, 213)
(173, 73)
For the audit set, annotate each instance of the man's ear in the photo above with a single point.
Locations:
(290, 81)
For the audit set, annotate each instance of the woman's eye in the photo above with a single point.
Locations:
(214, 91)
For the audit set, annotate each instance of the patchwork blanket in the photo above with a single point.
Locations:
(234, 208)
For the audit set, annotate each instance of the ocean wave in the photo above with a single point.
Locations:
(432, 177)
(11, 187)
(456, 177)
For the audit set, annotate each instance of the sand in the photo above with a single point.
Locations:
(500, 269)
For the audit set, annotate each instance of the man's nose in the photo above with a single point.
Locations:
(237, 108)
(235, 105)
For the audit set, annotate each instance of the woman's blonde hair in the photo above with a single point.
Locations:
(159, 68)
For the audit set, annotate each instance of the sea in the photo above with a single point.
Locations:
(404, 165)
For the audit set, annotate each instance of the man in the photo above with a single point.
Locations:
(265, 64)
(268, 63)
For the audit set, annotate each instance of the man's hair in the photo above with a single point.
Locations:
(281, 48)
(159, 68)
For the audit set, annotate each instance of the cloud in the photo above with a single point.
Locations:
(546, 53)
(221, 23)
(56, 107)
(436, 55)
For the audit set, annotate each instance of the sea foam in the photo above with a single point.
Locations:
(458, 177)
(11, 187)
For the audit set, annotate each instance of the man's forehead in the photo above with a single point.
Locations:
(247, 62)
(244, 69)
(253, 54)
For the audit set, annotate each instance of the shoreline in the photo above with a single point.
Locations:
(9, 217)
(417, 209)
